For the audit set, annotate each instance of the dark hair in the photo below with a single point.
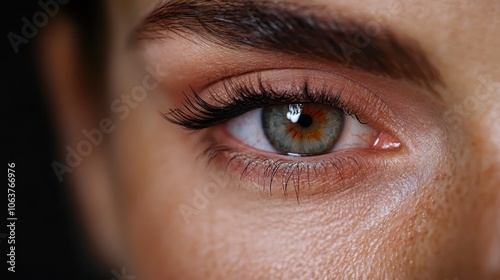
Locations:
(91, 23)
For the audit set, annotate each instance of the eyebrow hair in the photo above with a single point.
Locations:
(292, 29)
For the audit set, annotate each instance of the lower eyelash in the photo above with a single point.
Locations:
(284, 173)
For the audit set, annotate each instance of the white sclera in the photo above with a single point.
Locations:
(248, 129)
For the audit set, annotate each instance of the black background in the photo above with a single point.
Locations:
(49, 242)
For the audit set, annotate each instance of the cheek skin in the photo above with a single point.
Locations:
(236, 233)
(478, 175)
(375, 234)
(430, 234)
(441, 230)
(157, 172)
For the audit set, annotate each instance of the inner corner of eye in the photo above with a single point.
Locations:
(360, 134)
(385, 141)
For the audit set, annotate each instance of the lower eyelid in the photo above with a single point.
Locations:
(310, 176)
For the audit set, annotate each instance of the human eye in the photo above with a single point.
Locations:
(304, 129)
(289, 126)
(239, 70)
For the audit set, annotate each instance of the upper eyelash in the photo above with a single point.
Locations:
(198, 114)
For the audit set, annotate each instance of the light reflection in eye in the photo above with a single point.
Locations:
(319, 129)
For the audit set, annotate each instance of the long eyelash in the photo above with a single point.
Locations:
(198, 114)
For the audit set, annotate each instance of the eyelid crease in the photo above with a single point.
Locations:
(306, 30)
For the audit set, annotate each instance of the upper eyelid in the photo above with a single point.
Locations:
(350, 89)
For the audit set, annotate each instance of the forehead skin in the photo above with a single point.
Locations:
(449, 229)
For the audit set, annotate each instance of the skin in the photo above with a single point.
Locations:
(429, 210)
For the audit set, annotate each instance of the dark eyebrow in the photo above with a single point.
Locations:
(293, 29)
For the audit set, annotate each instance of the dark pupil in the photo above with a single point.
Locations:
(305, 120)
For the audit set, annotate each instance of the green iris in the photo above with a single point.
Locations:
(315, 132)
